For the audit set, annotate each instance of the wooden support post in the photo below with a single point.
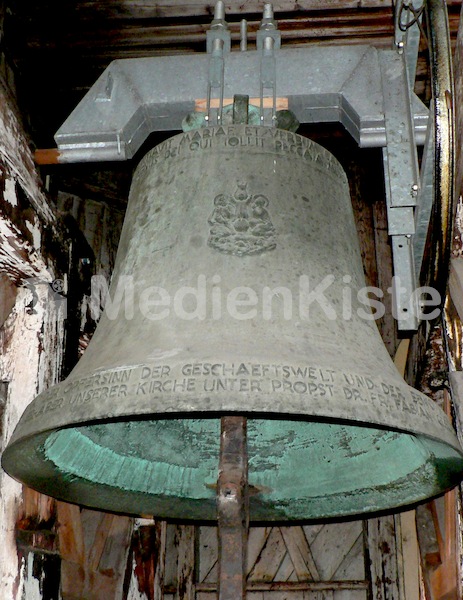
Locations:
(233, 508)
(185, 539)
(385, 558)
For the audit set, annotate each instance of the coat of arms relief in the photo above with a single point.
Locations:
(240, 224)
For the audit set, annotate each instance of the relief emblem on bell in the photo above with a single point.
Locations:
(241, 224)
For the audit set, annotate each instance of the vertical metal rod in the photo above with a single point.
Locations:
(216, 79)
(268, 76)
(233, 508)
(268, 11)
(219, 11)
(268, 39)
(243, 35)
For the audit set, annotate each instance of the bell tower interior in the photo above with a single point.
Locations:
(230, 307)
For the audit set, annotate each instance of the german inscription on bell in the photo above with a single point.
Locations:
(202, 378)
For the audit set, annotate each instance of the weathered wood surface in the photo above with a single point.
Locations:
(409, 557)
(138, 9)
(31, 349)
(387, 324)
(456, 284)
(148, 564)
(386, 577)
(293, 560)
(37, 248)
(440, 533)
(25, 213)
(22, 363)
(18, 173)
(94, 548)
(292, 563)
(133, 39)
(185, 562)
(299, 553)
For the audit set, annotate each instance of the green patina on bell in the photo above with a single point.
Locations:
(229, 234)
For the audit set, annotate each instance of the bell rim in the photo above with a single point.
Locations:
(83, 490)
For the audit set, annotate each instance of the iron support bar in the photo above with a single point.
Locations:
(425, 199)
(243, 35)
(215, 83)
(407, 33)
(402, 184)
(233, 508)
(218, 43)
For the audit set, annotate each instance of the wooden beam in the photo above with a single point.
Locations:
(185, 539)
(72, 549)
(94, 548)
(149, 561)
(300, 553)
(444, 584)
(406, 521)
(47, 156)
(384, 552)
(93, 35)
(387, 324)
(31, 345)
(294, 586)
(120, 10)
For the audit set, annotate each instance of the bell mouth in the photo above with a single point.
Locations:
(299, 470)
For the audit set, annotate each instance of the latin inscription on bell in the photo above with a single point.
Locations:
(241, 224)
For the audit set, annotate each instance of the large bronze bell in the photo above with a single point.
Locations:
(237, 256)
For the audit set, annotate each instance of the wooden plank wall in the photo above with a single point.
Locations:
(345, 561)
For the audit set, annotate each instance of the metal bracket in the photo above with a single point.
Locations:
(408, 15)
(426, 197)
(401, 178)
(408, 18)
(435, 187)
(319, 85)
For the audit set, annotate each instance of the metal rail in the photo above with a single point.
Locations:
(439, 238)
